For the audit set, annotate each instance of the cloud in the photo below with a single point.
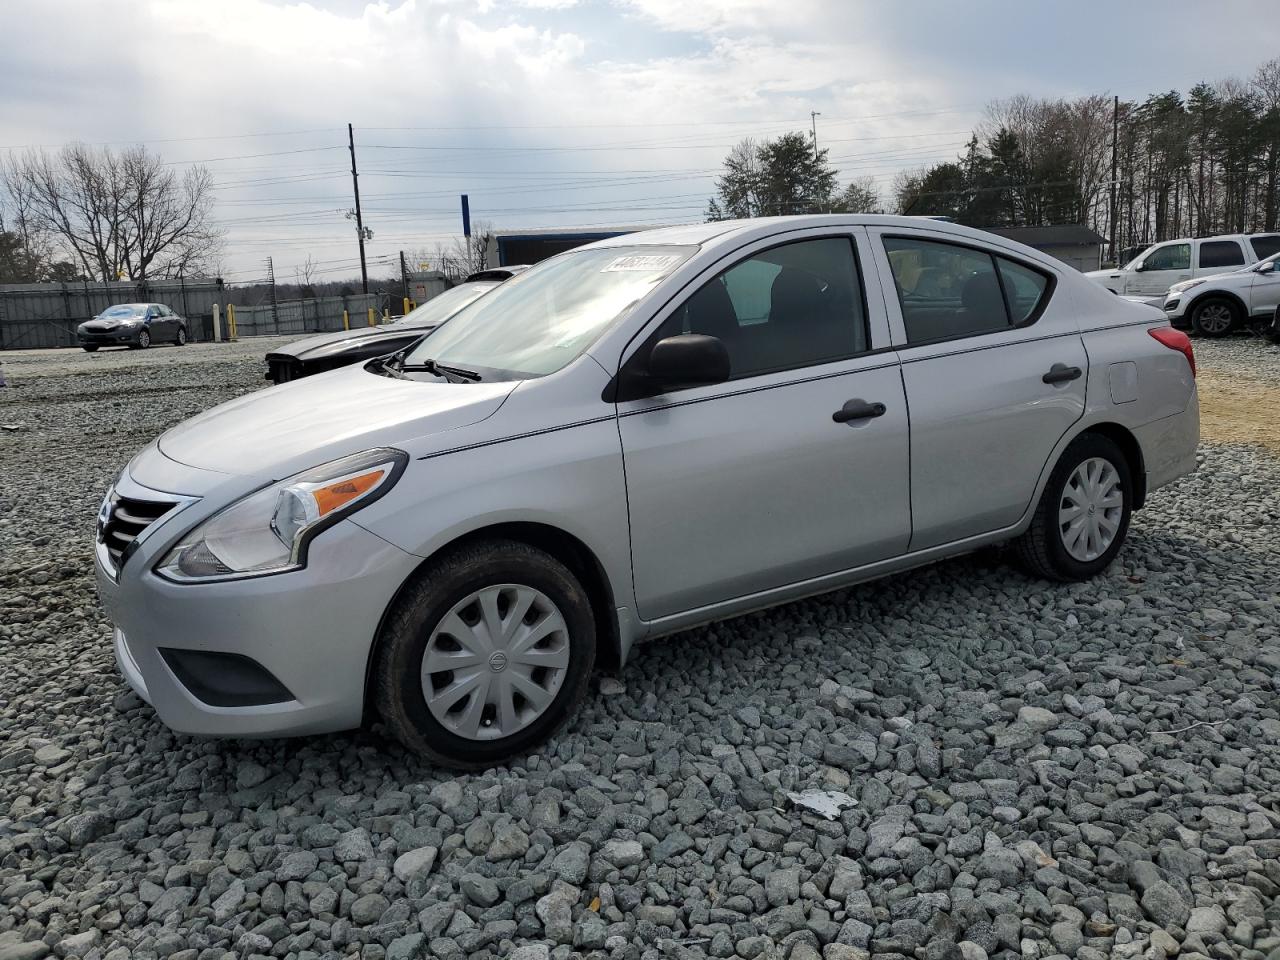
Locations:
(531, 106)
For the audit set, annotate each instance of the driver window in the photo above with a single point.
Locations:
(790, 306)
(1174, 256)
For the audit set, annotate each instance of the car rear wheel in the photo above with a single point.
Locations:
(90, 347)
(1082, 519)
(144, 340)
(485, 655)
(1214, 317)
(181, 338)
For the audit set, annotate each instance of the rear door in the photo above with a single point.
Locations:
(994, 372)
(1160, 269)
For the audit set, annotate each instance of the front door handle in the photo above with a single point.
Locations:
(858, 410)
(1061, 373)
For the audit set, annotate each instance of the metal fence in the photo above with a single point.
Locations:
(294, 317)
(46, 314)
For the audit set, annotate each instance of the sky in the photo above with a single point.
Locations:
(555, 113)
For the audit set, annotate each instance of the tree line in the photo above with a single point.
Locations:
(101, 214)
(1198, 164)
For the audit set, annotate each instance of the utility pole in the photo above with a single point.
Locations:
(271, 281)
(404, 275)
(813, 126)
(355, 187)
(1115, 138)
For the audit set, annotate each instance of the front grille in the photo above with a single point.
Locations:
(124, 520)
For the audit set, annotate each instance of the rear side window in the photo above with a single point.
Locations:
(1264, 247)
(790, 306)
(948, 291)
(1023, 287)
(1221, 253)
(1174, 256)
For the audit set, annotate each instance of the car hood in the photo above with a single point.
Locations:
(300, 424)
(334, 342)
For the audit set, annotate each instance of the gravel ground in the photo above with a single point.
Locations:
(1040, 770)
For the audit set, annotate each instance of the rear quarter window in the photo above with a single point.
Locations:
(1264, 247)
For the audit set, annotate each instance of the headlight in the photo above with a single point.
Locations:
(268, 531)
(1185, 285)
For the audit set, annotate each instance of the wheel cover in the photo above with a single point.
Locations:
(182, 336)
(1214, 317)
(144, 339)
(495, 662)
(1090, 509)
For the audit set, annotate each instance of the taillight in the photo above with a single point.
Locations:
(1176, 340)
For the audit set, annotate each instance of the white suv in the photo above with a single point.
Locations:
(1213, 306)
(1150, 274)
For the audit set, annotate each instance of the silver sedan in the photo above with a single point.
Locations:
(634, 437)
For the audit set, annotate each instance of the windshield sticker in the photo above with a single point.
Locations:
(639, 263)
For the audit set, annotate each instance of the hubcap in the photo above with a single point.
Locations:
(1215, 317)
(495, 662)
(144, 338)
(1090, 510)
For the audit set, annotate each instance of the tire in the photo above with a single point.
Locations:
(90, 347)
(144, 341)
(1214, 317)
(1045, 550)
(181, 339)
(445, 591)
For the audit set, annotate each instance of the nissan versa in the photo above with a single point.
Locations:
(636, 436)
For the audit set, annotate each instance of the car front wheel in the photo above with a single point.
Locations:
(1213, 317)
(181, 339)
(90, 347)
(1082, 519)
(144, 340)
(485, 655)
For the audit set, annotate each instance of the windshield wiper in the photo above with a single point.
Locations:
(440, 370)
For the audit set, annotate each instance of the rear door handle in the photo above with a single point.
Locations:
(1061, 373)
(858, 410)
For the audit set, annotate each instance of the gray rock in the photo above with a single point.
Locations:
(413, 863)
(480, 890)
(1165, 905)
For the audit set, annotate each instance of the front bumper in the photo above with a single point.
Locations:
(311, 630)
(113, 338)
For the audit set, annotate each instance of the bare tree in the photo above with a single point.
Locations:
(118, 214)
(304, 277)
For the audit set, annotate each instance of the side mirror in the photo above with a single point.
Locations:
(1267, 266)
(1140, 266)
(688, 360)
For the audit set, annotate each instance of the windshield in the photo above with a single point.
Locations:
(443, 306)
(539, 321)
(124, 310)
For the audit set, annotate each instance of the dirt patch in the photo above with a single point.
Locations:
(1235, 409)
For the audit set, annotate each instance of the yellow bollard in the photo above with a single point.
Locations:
(372, 321)
(346, 321)
(231, 320)
(407, 308)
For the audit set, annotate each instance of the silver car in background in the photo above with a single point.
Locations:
(632, 438)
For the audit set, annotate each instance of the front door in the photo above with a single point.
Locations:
(794, 468)
(1161, 268)
(1264, 295)
(995, 373)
